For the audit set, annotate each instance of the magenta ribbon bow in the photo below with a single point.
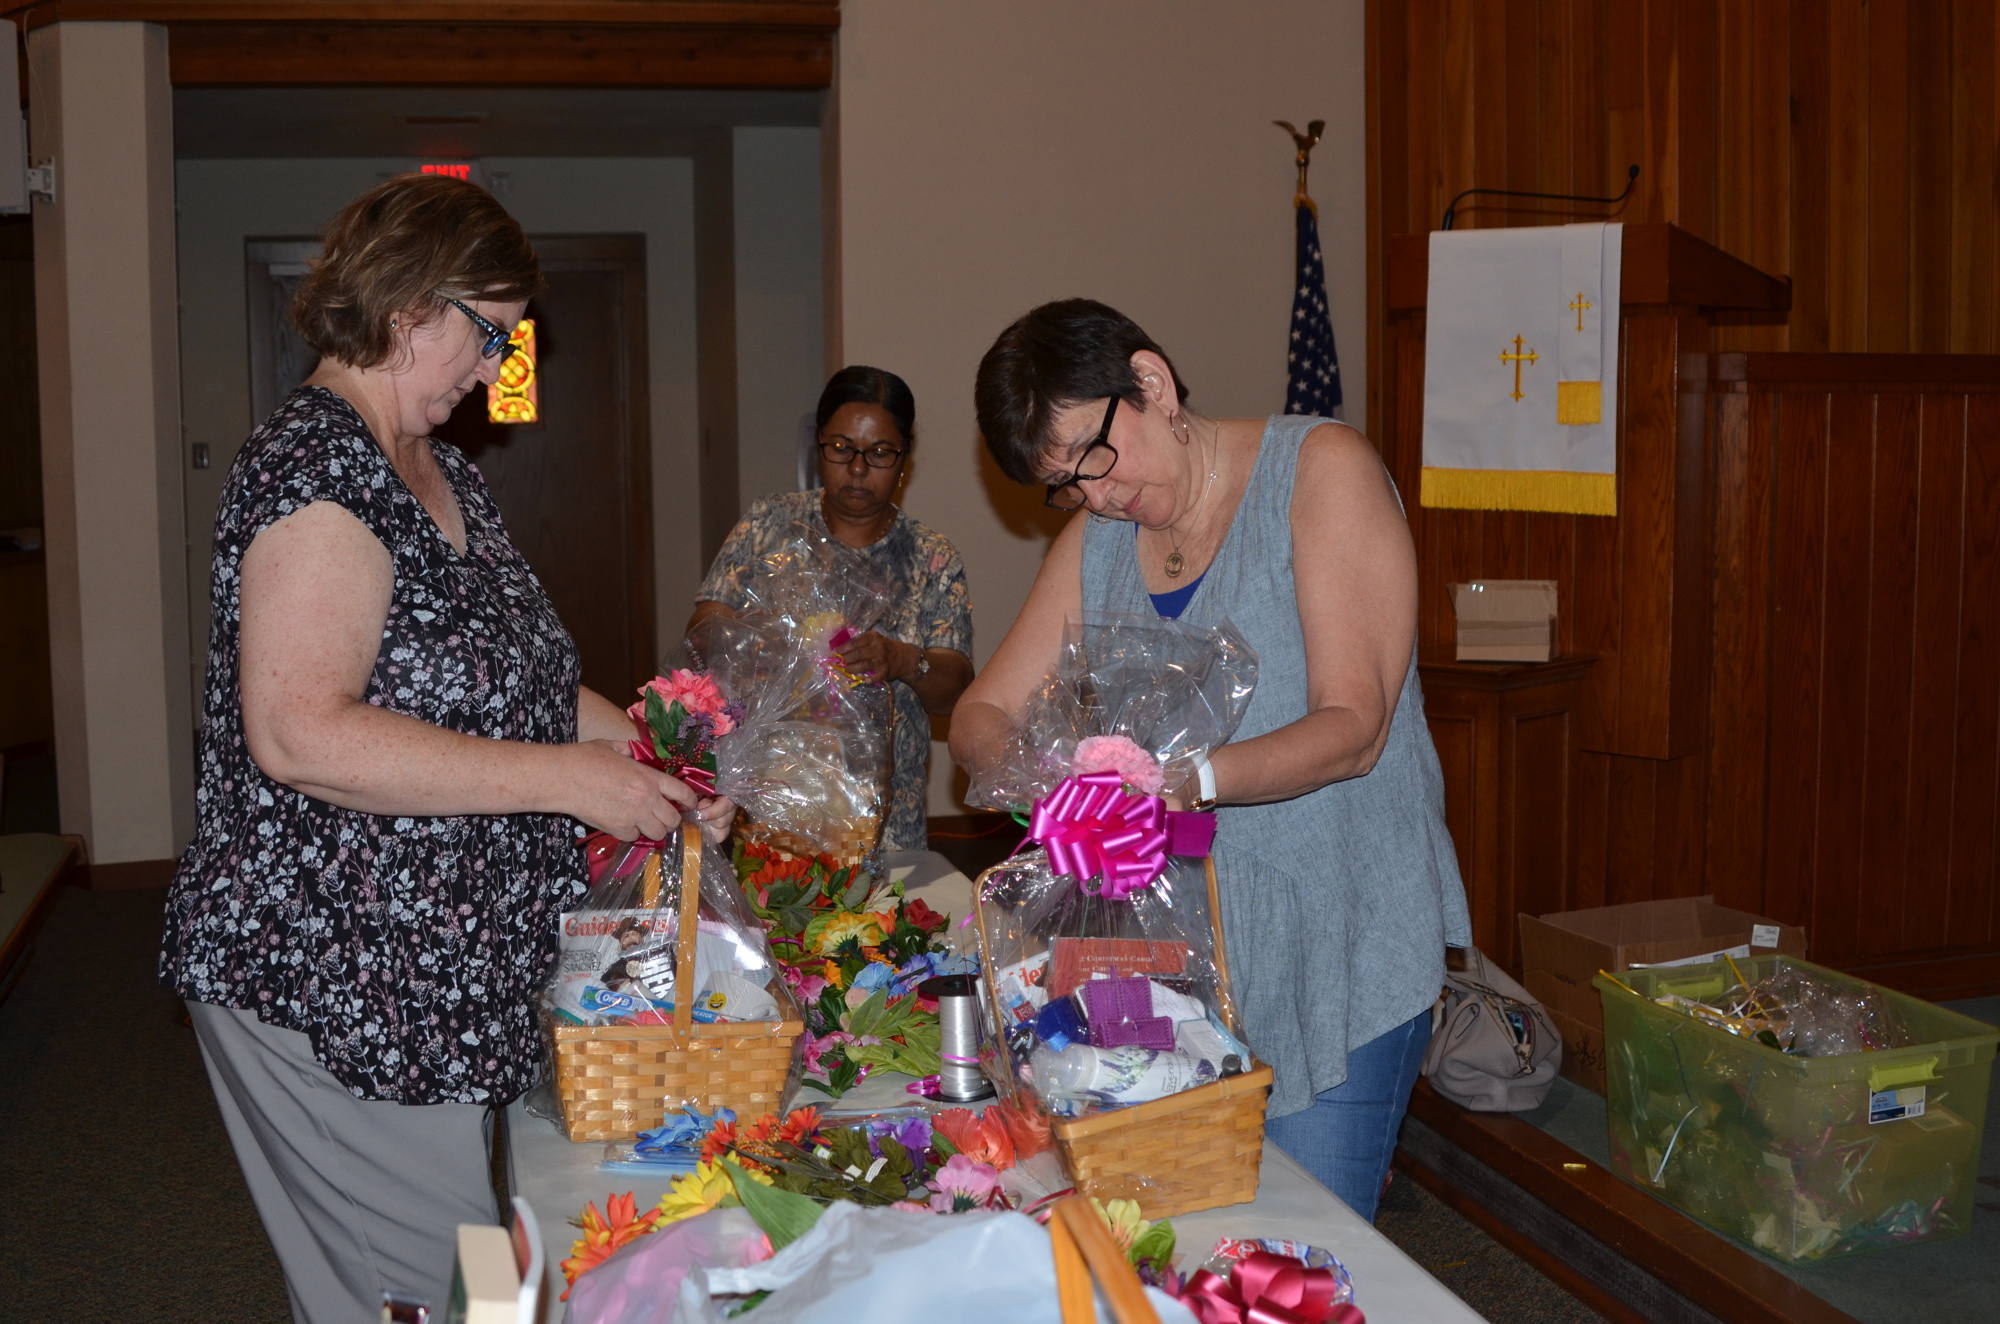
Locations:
(1264, 1288)
(1094, 829)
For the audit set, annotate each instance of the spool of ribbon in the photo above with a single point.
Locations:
(1094, 829)
(1263, 1288)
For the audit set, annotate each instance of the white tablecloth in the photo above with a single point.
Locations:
(558, 1178)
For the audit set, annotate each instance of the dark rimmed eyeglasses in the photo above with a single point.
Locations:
(499, 340)
(842, 450)
(1097, 461)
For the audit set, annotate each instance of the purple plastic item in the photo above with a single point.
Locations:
(1121, 1014)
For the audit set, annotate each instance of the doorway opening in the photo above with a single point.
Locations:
(680, 342)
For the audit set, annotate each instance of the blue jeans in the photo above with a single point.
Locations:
(1348, 1135)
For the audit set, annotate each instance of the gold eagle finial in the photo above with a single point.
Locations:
(1306, 142)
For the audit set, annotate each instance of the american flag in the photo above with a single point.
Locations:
(1314, 387)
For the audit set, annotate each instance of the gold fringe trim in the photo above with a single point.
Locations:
(1548, 490)
(1579, 402)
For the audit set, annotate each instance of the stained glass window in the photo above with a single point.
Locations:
(517, 396)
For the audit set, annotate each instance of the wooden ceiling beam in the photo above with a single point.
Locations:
(755, 44)
(821, 14)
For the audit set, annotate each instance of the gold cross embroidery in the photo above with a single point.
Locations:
(1517, 358)
(1578, 307)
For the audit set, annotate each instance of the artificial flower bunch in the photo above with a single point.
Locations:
(680, 716)
(853, 951)
(948, 1163)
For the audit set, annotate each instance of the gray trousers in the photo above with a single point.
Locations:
(358, 1197)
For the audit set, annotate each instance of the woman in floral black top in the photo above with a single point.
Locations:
(397, 762)
(867, 422)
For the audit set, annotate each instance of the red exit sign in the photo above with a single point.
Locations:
(456, 169)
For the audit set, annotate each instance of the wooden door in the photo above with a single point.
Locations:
(574, 487)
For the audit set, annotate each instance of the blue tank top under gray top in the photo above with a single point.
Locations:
(1337, 905)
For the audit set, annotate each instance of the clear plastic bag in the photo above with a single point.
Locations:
(1175, 690)
(811, 762)
(1099, 946)
(618, 951)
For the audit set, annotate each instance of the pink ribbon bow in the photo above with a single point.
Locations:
(1094, 829)
(1264, 1288)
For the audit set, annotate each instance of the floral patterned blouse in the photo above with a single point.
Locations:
(932, 609)
(409, 949)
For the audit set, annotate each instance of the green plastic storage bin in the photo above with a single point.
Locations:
(1801, 1157)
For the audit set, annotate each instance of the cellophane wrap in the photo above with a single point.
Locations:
(1173, 692)
(617, 948)
(811, 762)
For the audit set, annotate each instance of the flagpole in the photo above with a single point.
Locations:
(1312, 369)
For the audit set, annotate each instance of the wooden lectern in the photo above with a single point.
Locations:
(1634, 590)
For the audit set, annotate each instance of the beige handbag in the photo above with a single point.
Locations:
(1493, 1048)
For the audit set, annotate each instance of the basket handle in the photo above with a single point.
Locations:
(1221, 948)
(1083, 1247)
(684, 989)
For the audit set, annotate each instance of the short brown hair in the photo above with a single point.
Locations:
(402, 248)
(1061, 354)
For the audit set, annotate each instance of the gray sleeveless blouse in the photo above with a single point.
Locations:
(1337, 906)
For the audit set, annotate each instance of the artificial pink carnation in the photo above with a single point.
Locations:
(1122, 755)
(691, 689)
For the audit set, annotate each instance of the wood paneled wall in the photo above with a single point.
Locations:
(1849, 144)
(1844, 771)
(1853, 772)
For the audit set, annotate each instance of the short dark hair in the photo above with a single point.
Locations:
(403, 247)
(1058, 355)
(859, 384)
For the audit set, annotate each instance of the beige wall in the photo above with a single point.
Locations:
(110, 414)
(987, 157)
(780, 324)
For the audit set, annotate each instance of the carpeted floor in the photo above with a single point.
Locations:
(123, 1201)
(1479, 1270)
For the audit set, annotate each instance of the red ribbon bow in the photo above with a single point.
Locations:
(1264, 1288)
(1093, 829)
(699, 779)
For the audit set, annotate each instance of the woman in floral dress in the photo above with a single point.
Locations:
(867, 422)
(397, 763)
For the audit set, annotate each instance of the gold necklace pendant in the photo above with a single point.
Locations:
(1175, 564)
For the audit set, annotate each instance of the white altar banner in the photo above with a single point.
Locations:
(1521, 369)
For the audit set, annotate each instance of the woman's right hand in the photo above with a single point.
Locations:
(615, 793)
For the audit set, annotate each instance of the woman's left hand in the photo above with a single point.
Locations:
(878, 657)
(715, 813)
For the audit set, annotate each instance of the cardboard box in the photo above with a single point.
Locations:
(1505, 620)
(1583, 1046)
(1561, 952)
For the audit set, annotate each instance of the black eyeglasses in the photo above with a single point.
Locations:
(498, 339)
(842, 450)
(1067, 493)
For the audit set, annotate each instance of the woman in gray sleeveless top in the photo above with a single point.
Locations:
(1340, 886)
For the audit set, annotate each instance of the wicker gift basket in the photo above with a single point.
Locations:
(613, 1081)
(1198, 1149)
(1102, 950)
